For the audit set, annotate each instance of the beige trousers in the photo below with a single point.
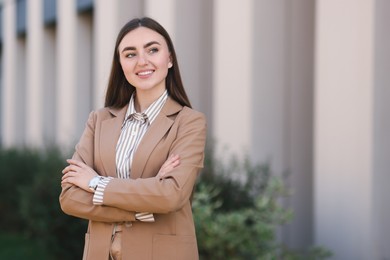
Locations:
(116, 243)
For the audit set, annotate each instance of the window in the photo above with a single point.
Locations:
(84, 5)
(21, 25)
(49, 12)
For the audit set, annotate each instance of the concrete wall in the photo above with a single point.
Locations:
(305, 82)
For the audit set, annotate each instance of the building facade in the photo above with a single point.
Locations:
(306, 82)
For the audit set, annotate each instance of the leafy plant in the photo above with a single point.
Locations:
(237, 211)
(62, 235)
(16, 168)
(29, 203)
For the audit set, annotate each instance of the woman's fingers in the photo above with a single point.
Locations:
(70, 168)
(78, 174)
(175, 163)
(76, 163)
(68, 175)
(172, 162)
(174, 157)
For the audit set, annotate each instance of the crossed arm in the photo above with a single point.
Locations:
(79, 174)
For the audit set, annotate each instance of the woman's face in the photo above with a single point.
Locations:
(145, 60)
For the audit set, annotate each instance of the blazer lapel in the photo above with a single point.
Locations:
(155, 133)
(110, 132)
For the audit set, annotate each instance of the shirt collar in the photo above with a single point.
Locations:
(152, 111)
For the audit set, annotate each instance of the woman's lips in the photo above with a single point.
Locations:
(144, 73)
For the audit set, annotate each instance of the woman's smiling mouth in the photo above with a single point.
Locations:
(145, 73)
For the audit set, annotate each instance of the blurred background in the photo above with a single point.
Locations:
(300, 84)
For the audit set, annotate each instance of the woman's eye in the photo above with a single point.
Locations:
(153, 50)
(130, 55)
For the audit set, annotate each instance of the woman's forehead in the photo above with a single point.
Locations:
(141, 36)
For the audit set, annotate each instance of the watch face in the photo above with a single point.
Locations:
(94, 182)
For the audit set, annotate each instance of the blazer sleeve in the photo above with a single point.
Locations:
(171, 193)
(78, 202)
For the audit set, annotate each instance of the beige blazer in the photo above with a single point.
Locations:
(177, 129)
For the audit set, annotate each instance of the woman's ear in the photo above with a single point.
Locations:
(170, 64)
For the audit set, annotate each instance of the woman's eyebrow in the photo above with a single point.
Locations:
(151, 43)
(131, 48)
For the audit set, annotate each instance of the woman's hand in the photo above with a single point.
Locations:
(78, 173)
(172, 162)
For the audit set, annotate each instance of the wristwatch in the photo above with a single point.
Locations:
(93, 183)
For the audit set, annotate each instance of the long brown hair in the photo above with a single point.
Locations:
(119, 90)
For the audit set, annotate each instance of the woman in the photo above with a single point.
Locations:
(126, 176)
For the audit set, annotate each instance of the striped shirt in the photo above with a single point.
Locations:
(133, 129)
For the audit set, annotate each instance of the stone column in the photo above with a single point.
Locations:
(165, 13)
(194, 46)
(34, 87)
(84, 75)
(344, 91)
(232, 74)
(9, 73)
(282, 104)
(66, 51)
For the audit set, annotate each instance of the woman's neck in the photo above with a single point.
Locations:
(143, 99)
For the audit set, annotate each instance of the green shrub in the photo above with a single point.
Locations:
(237, 211)
(16, 170)
(29, 202)
(236, 218)
(17, 246)
(61, 234)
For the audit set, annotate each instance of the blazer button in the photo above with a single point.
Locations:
(128, 224)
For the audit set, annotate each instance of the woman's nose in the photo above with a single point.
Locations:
(142, 60)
